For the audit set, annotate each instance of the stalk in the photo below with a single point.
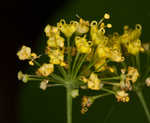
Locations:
(142, 100)
(69, 105)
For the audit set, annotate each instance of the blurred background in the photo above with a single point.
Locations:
(23, 22)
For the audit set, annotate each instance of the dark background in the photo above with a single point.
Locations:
(22, 22)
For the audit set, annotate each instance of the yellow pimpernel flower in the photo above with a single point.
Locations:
(94, 82)
(67, 29)
(24, 53)
(132, 74)
(122, 96)
(83, 26)
(82, 45)
(45, 69)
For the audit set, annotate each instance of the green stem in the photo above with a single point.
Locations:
(101, 95)
(75, 61)
(81, 60)
(142, 100)
(138, 61)
(111, 78)
(69, 105)
(69, 54)
(107, 90)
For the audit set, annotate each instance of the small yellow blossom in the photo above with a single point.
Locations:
(106, 16)
(83, 26)
(56, 56)
(43, 84)
(103, 51)
(55, 41)
(31, 63)
(24, 53)
(75, 93)
(86, 103)
(82, 45)
(51, 31)
(100, 65)
(115, 55)
(147, 81)
(132, 74)
(20, 75)
(109, 25)
(94, 82)
(67, 29)
(122, 96)
(45, 69)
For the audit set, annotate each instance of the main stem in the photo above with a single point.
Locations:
(142, 100)
(69, 105)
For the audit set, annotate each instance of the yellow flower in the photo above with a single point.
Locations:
(75, 93)
(56, 56)
(147, 81)
(51, 31)
(122, 96)
(94, 82)
(24, 53)
(106, 16)
(20, 75)
(109, 25)
(132, 74)
(82, 45)
(100, 65)
(45, 69)
(55, 41)
(97, 34)
(103, 51)
(86, 103)
(134, 47)
(83, 26)
(67, 29)
(43, 84)
(115, 55)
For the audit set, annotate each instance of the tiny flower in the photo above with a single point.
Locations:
(83, 26)
(67, 29)
(82, 44)
(106, 16)
(45, 69)
(146, 46)
(109, 25)
(23, 77)
(86, 103)
(147, 81)
(20, 75)
(132, 74)
(122, 96)
(24, 53)
(94, 82)
(43, 84)
(75, 93)
(56, 56)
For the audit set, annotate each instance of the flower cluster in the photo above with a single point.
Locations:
(82, 55)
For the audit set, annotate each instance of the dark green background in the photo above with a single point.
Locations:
(37, 106)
